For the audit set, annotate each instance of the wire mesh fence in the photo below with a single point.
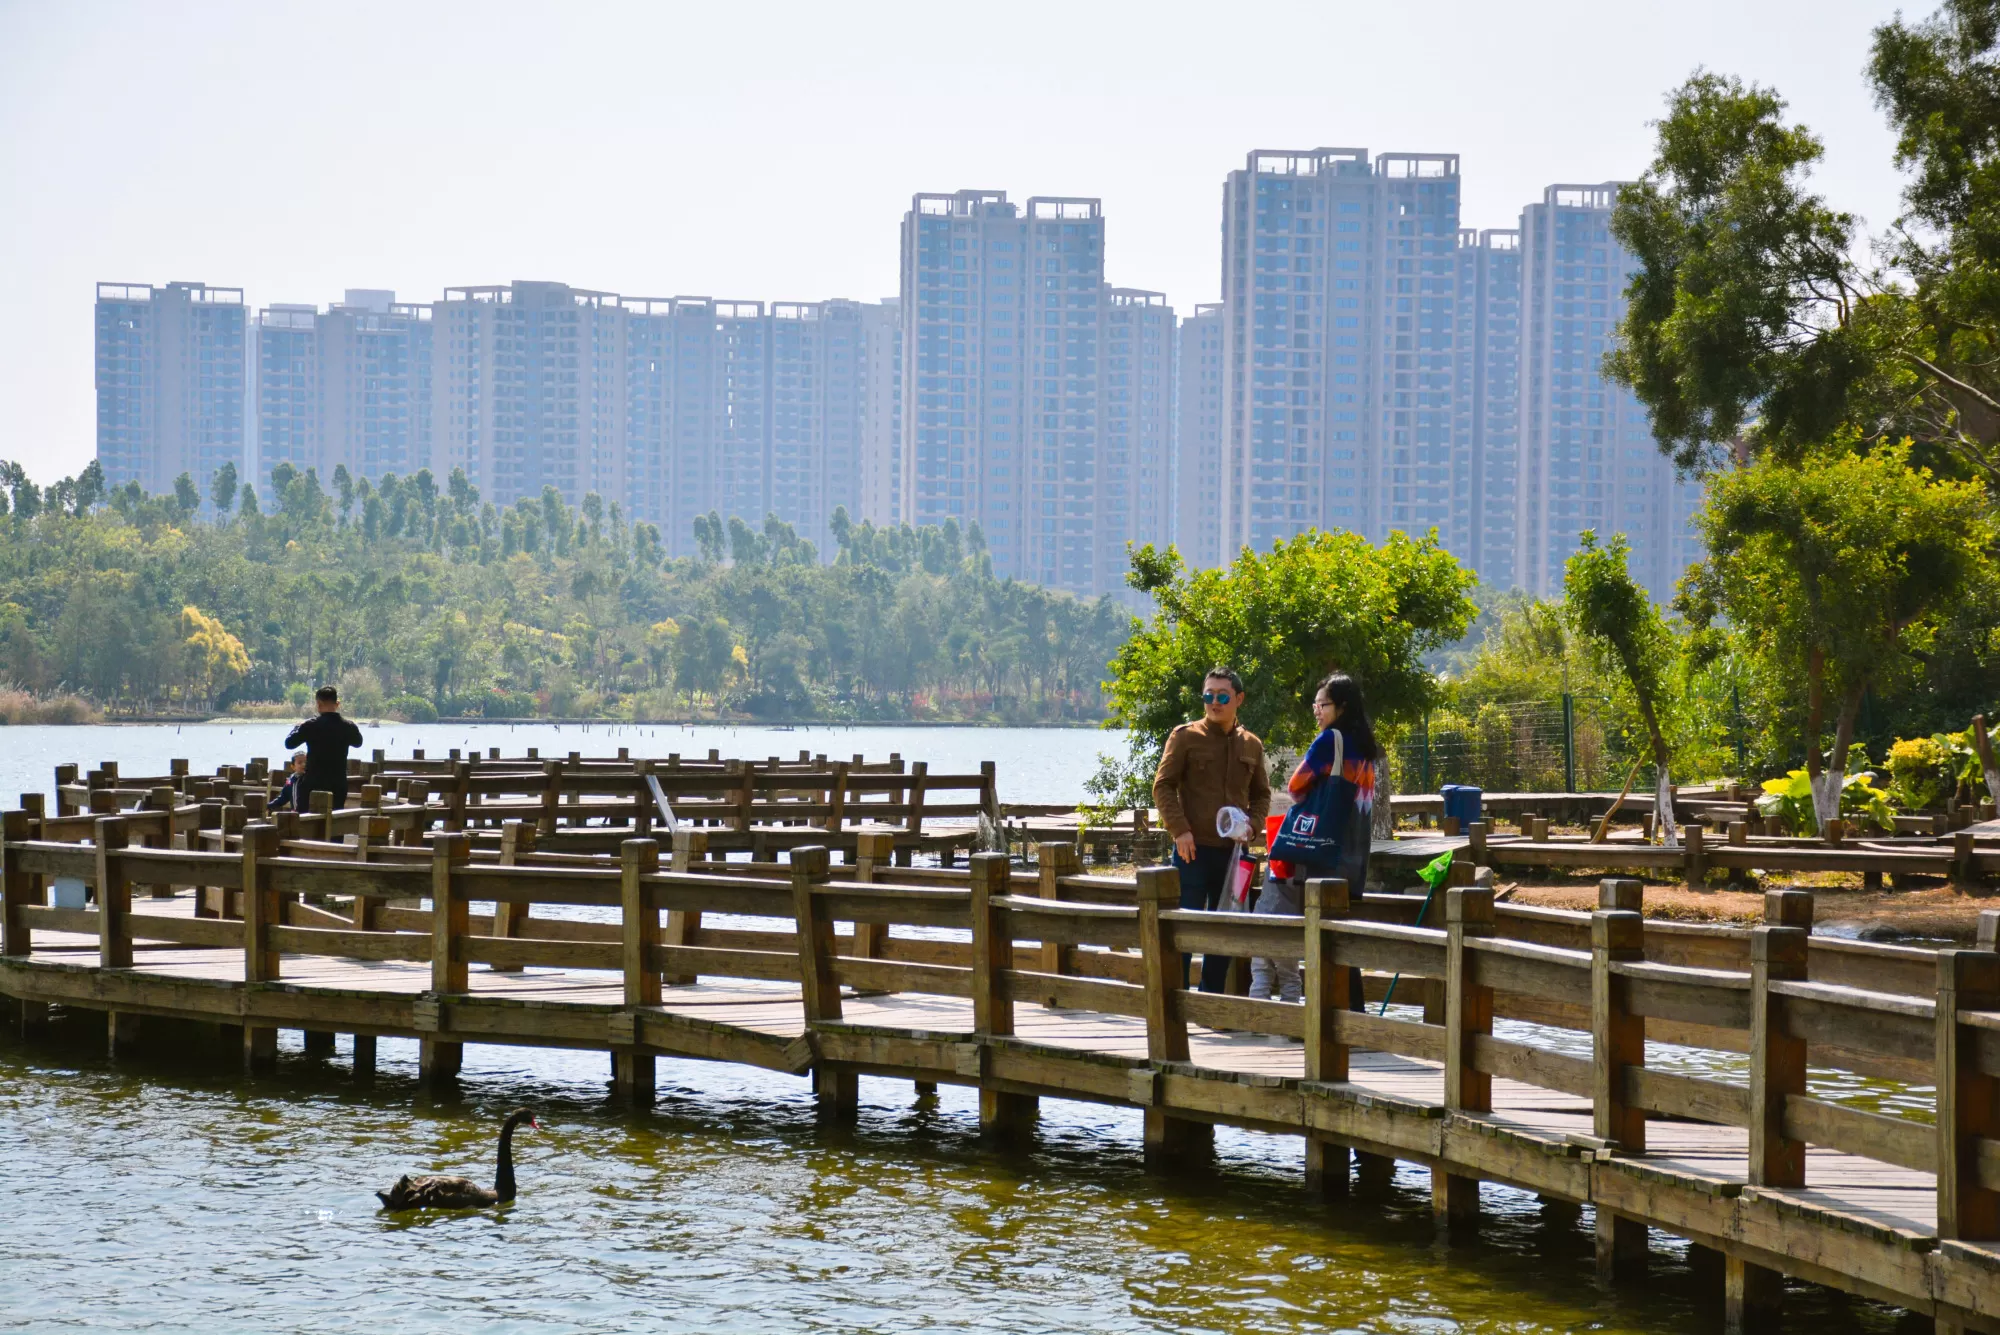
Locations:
(1569, 744)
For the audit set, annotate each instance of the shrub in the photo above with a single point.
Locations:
(411, 709)
(1920, 773)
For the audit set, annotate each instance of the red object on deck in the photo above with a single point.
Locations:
(1280, 870)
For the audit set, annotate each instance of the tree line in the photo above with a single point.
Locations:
(423, 600)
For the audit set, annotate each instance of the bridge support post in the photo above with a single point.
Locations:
(123, 1032)
(1621, 1248)
(319, 1043)
(1002, 1114)
(1751, 1296)
(438, 1061)
(1170, 1141)
(364, 1056)
(1327, 1167)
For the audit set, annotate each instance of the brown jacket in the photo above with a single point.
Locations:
(1202, 771)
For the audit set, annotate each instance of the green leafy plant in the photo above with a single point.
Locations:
(1920, 772)
(1790, 799)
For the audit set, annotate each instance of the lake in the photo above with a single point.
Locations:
(1035, 764)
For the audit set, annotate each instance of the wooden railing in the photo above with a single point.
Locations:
(1772, 992)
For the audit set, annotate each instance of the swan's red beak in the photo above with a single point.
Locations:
(535, 1122)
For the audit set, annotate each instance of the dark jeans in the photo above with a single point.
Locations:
(1203, 885)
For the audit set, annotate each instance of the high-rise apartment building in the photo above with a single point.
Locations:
(348, 387)
(1339, 290)
(284, 391)
(1006, 316)
(170, 382)
(528, 388)
(1587, 456)
(1135, 457)
(375, 386)
(1199, 479)
(881, 473)
(1487, 404)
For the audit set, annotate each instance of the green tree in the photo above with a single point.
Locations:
(222, 489)
(1740, 322)
(1626, 633)
(1284, 619)
(186, 498)
(1836, 573)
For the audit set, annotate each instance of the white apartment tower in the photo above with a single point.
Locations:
(1135, 455)
(1339, 289)
(1198, 456)
(170, 367)
(528, 389)
(1007, 407)
(1587, 455)
(1487, 404)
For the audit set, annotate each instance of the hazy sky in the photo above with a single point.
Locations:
(769, 151)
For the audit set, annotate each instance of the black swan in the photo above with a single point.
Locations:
(460, 1193)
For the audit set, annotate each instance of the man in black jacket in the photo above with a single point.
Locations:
(326, 738)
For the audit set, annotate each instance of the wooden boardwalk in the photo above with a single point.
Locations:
(1051, 984)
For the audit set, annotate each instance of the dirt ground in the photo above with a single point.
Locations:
(1933, 911)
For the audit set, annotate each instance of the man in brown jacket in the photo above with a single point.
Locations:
(1207, 765)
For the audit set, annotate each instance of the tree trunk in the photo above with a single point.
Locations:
(1826, 787)
(1983, 745)
(1383, 817)
(1663, 807)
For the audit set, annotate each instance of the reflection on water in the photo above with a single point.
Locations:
(170, 1194)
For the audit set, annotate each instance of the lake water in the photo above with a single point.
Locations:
(1035, 764)
(172, 1193)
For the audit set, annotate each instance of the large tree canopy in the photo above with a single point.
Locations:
(1284, 619)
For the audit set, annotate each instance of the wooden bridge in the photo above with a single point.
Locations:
(1531, 1053)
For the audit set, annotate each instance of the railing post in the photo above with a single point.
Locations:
(516, 838)
(1968, 1097)
(551, 794)
(65, 776)
(919, 778)
(1618, 1041)
(1696, 853)
(873, 851)
(1326, 996)
(439, 1060)
(1000, 1113)
(633, 1068)
(819, 987)
(1052, 863)
(690, 847)
(1167, 1138)
(1751, 1293)
(259, 844)
(461, 785)
(17, 888)
(1468, 1016)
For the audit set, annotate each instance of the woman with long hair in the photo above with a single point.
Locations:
(1328, 830)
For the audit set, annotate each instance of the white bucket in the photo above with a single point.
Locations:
(68, 892)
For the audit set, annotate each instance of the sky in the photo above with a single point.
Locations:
(768, 151)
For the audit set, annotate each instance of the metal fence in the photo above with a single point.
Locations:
(1569, 744)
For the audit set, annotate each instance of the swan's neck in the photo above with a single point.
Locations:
(503, 1175)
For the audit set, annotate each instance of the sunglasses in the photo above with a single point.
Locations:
(1215, 697)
